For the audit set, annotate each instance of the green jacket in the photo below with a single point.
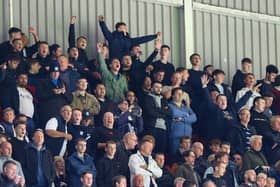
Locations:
(116, 85)
(253, 159)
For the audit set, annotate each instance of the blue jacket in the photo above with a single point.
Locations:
(183, 126)
(71, 77)
(7, 128)
(76, 166)
(119, 44)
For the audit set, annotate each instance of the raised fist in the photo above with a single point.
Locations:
(157, 44)
(73, 19)
(32, 30)
(101, 18)
(158, 35)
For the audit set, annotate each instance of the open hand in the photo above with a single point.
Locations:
(257, 88)
(204, 80)
(99, 47)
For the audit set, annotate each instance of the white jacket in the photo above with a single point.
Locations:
(250, 102)
(153, 171)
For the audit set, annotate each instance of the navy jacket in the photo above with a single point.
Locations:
(76, 166)
(119, 44)
(71, 77)
(11, 98)
(7, 128)
(77, 131)
(55, 144)
(217, 121)
(237, 138)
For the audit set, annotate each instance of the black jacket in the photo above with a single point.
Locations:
(106, 170)
(237, 138)
(271, 138)
(237, 82)
(152, 112)
(220, 182)
(103, 134)
(231, 102)
(5, 48)
(30, 165)
(217, 121)
(138, 70)
(168, 69)
(105, 106)
(123, 155)
(6, 182)
(11, 98)
(50, 103)
(71, 39)
(260, 122)
(166, 180)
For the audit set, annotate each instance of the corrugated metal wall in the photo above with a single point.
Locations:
(52, 17)
(224, 40)
(270, 7)
(4, 19)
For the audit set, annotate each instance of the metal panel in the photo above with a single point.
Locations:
(270, 7)
(223, 39)
(51, 18)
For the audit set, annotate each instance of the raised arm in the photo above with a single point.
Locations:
(32, 31)
(71, 35)
(33, 48)
(152, 56)
(206, 94)
(106, 32)
(144, 39)
(100, 59)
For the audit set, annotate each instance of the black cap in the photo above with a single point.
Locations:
(86, 114)
(54, 67)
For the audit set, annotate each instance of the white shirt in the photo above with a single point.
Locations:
(153, 171)
(26, 106)
(250, 101)
(52, 125)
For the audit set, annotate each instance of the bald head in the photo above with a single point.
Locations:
(108, 120)
(6, 149)
(138, 181)
(250, 176)
(197, 148)
(275, 123)
(130, 140)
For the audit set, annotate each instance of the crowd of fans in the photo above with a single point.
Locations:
(118, 121)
